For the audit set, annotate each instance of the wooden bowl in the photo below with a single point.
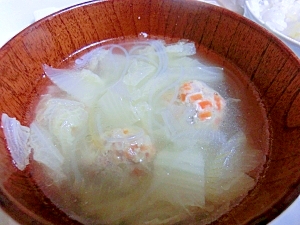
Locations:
(231, 39)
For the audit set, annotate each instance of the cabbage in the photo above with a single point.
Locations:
(111, 68)
(64, 119)
(114, 111)
(226, 172)
(158, 213)
(179, 177)
(152, 52)
(110, 62)
(16, 137)
(234, 155)
(44, 151)
(137, 71)
(83, 85)
(106, 202)
(181, 48)
(228, 189)
(239, 155)
(91, 59)
(145, 52)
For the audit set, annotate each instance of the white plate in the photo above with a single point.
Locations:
(15, 15)
(293, 44)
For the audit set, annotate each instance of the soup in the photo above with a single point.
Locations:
(143, 132)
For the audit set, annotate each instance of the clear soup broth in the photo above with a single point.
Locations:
(147, 132)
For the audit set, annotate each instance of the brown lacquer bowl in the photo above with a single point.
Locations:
(227, 37)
